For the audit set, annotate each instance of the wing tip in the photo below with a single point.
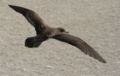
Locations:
(12, 6)
(19, 9)
(103, 61)
(100, 59)
(9, 5)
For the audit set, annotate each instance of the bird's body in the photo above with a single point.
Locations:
(44, 32)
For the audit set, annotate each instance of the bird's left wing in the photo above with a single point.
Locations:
(79, 43)
(31, 16)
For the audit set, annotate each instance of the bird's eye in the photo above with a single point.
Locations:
(61, 30)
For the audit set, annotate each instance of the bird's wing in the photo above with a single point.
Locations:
(79, 43)
(31, 16)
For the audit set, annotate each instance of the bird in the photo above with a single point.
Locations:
(45, 32)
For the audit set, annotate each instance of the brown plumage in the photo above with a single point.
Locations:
(45, 32)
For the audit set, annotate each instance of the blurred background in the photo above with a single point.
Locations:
(95, 21)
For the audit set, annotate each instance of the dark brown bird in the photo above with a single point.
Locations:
(44, 32)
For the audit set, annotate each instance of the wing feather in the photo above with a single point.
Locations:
(31, 16)
(79, 43)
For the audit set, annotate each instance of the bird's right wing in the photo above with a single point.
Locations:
(31, 16)
(79, 43)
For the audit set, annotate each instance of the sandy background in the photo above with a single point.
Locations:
(95, 21)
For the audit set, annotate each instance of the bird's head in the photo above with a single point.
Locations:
(62, 29)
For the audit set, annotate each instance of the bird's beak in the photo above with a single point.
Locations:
(66, 32)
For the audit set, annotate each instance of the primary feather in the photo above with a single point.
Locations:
(31, 16)
(79, 43)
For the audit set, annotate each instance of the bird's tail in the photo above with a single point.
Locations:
(19, 9)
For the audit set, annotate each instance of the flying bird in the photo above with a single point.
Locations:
(45, 32)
